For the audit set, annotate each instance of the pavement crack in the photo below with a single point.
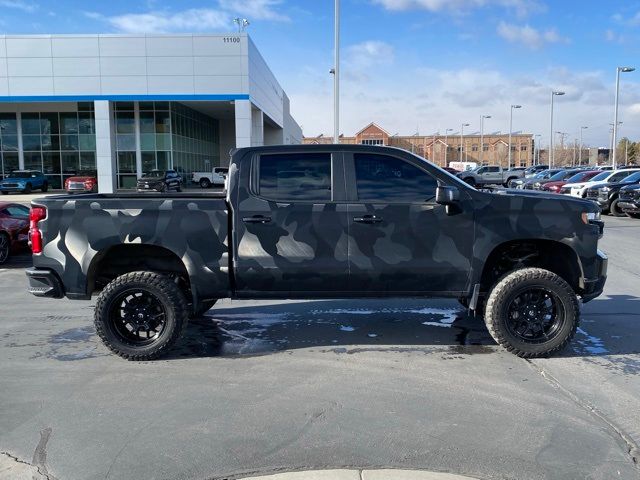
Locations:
(632, 448)
(44, 475)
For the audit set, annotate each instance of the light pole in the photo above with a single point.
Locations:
(582, 129)
(482, 117)
(446, 145)
(461, 134)
(511, 129)
(615, 111)
(336, 74)
(536, 161)
(551, 152)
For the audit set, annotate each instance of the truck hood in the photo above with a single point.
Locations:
(578, 203)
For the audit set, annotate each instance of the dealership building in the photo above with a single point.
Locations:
(126, 104)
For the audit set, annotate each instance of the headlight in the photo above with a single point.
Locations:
(590, 216)
(537, 184)
(605, 189)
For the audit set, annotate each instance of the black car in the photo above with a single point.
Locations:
(160, 181)
(629, 200)
(607, 195)
(527, 183)
(556, 177)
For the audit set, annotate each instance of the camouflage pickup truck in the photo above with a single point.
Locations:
(321, 221)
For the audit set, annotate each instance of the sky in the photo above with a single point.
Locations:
(411, 66)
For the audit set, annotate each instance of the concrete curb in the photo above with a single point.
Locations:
(338, 474)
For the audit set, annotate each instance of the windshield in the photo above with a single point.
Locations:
(601, 176)
(618, 176)
(578, 177)
(20, 175)
(562, 175)
(154, 174)
(633, 178)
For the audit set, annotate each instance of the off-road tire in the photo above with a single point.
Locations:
(497, 303)
(614, 209)
(5, 247)
(166, 290)
(202, 308)
(205, 183)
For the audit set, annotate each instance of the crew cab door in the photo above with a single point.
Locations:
(400, 240)
(290, 225)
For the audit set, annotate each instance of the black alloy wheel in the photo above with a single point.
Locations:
(5, 247)
(138, 317)
(533, 315)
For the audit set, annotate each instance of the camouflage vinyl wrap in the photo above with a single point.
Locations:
(78, 228)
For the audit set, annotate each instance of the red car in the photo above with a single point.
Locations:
(82, 182)
(14, 229)
(555, 187)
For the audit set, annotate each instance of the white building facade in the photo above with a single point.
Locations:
(122, 105)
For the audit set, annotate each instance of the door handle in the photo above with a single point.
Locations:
(370, 219)
(256, 219)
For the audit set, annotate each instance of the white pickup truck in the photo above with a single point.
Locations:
(217, 177)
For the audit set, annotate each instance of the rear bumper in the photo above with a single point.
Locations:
(44, 283)
(593, 287)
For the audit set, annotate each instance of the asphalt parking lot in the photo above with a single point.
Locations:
(259, 387)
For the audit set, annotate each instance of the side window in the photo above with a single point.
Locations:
(389, 179)
(296, 176)
(493, 169)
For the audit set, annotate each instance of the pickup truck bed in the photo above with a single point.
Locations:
(87, 233)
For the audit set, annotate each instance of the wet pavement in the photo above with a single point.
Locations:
(260, 387)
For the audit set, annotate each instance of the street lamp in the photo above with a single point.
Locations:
(446, 146)
(461, 144)
(580, 155)
(336, 74)
(551, 152)
(536, 149)
(482, 117)
(615, 111)
(511, 128)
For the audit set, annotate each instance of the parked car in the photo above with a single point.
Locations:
(630, 200)
(490, 175)
(579, 190)
(557, 177)
(358, 221)
(160, 181)
(84, 181)
(560, 186)
(534, 170)
(606, 195)
(24, 181)
(527, 183)
(14, 229)
(207, 179)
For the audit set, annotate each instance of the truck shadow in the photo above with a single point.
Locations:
(417, 325)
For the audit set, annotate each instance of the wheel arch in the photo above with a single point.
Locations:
(552, 255)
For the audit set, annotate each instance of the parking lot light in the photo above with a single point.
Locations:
(511, 128)
(461, 144)
(446, 146)
(482, 117)
(615, 111)
(554, 93)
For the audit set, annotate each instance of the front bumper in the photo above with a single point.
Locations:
(629, 207)
(593, 287)
(44, 283)
(18, 188)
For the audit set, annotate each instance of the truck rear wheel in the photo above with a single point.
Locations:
(140, 315)
(532, 312)
(205, 183)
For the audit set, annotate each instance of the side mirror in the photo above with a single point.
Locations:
(447, 195)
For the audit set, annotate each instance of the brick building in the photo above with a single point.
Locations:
(436, 147)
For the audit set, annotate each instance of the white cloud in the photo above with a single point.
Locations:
(255, 9)
(196, 19)
(23, 5)
(629, 20)
(611, 36)
(521, 7)
(528, 36)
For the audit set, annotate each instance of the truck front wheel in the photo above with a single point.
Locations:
(140, 315)
(532, 312)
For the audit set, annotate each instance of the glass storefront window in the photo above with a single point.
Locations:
(31, 124)
(50, 142)
(10, 143)
(86, 123)
(87, 160)
(33, 161)
(69, 142)
(51, 162)
(70, 162)
(148, 161)
(126, 162)
(147, 141)
(125, 123)
(69, 123)
(8, 124)
(126, 143)
(10, 162)
(87, 142)
(163, 160)
(147, 122)
(31, 142)
(49, 123)
(163, 142)
(163, 122)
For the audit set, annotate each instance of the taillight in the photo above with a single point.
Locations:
(35, 235)
(88, 184)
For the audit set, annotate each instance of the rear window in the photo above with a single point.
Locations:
(296, 176)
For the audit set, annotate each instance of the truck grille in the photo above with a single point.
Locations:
(630, 195)
(592, 193)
